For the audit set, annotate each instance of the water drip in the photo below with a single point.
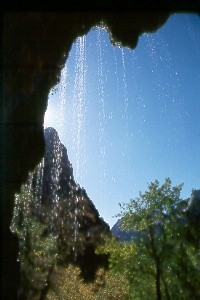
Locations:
(62, 100)
(79, 106)
(102, 114)
(125, 97)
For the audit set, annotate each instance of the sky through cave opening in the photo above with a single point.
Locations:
(128, 117)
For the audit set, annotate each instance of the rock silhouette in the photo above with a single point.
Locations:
(63, 209)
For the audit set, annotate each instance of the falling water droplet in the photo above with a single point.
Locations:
(79, 106)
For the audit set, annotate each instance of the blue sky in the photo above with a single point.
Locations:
(128, 117)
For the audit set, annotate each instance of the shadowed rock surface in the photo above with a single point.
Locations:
(65, 187)
(61, 192)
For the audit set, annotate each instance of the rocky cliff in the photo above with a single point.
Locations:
(60, 208)
(58, 183)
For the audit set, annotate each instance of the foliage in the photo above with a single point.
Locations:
(67, 284)
(45, 242)
(127, 262)
(37, 249)
(163, 252)
(52, 234)
(160, 262)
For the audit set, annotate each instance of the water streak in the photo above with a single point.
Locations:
(102, 114)
(125, 98)
(62, 100)
(79, 134)
(79, 106)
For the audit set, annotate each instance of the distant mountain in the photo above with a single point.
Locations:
(190, 215)
(123, 235)
(194, 207)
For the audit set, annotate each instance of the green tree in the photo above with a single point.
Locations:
(52, 235)
(37, 244)
(162, 249)
(127, 262)
(68, 284)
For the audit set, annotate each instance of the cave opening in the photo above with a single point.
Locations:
(125, 118)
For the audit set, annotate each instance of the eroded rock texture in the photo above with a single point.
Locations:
(35, 47)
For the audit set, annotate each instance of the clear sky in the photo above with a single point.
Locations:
(128, 117)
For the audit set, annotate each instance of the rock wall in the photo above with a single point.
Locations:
(35, 48)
